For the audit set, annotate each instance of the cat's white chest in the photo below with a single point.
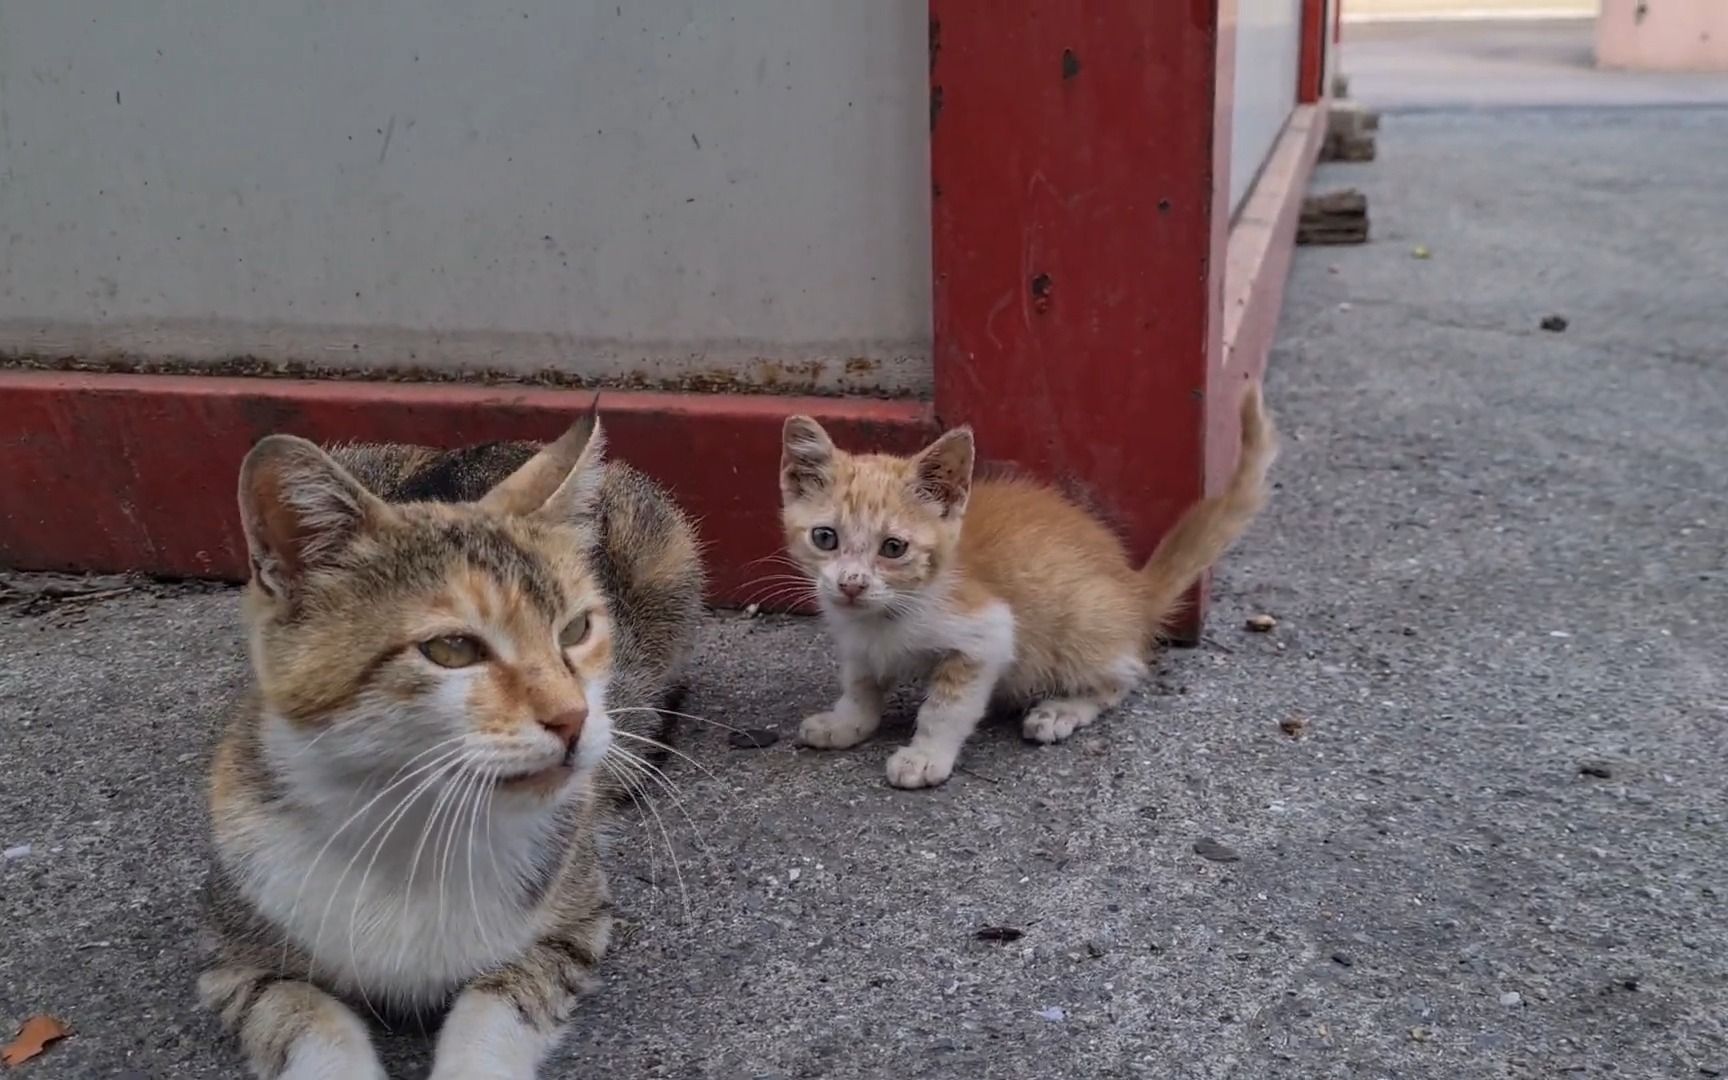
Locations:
(403, 922)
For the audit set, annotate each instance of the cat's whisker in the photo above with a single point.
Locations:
(477, 798)
(395, 780)
(658, 745)
(656, 774)
(441, 818)
(338, 725)
(438, 770)
(390, 786)
(467, 782)
(427, 828)
(680, 715)
(673, 791)
(491, 848)
(671, 852)
(630, 792)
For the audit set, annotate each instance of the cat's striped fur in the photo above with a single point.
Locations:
(406, 808)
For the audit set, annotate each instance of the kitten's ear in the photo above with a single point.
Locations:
(562, 481)
(944, 471)
(806, 459)
(300, 510)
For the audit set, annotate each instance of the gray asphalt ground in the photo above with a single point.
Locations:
(1497, 846)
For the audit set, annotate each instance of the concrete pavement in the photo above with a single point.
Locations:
(1497, 845)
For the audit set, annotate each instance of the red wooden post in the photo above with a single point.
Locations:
(1311, 77)
(1080, 155)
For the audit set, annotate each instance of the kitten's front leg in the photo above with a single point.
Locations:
(288, 1029)
(854, 717)
(958, 697)
(504, 1024)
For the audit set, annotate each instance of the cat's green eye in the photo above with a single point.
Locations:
(893, 548)
(453, 650)
(575, 632)
(824, 538)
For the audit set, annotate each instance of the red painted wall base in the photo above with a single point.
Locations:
(112, 473)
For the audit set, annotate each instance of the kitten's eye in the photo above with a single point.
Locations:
(453, 650)
(575, 632)
(824, 538)
(893, 548)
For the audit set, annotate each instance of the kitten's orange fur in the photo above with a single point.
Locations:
(1000, 589)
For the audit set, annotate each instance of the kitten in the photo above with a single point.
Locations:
(994, 591)
(406, 808)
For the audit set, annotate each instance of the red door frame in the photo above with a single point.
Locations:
(1080, 170)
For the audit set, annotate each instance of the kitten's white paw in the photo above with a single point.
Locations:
(917, 767)
(835, 730)
(1053, 721)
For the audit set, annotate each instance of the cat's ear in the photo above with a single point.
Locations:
(300, 510)
(806, 459)
(562, 481)
(943, 471)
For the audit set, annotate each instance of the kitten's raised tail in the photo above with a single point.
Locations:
(1210, 526)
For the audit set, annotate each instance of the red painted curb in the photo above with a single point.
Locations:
(111, 473)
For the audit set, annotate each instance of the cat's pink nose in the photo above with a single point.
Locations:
(852, 590)
(567, 725)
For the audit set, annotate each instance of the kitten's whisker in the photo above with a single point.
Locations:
(774, 556)
(778, 575)
(773, 581)
(803, 592)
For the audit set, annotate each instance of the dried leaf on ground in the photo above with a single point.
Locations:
(33, 1037)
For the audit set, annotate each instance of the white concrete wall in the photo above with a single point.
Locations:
(1268, 50)
(651, 191)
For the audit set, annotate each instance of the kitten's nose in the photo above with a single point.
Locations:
(852, 589)
(567, 725)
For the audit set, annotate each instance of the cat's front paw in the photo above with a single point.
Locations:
(918, 767)
(837, 729)
(479, 1066)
